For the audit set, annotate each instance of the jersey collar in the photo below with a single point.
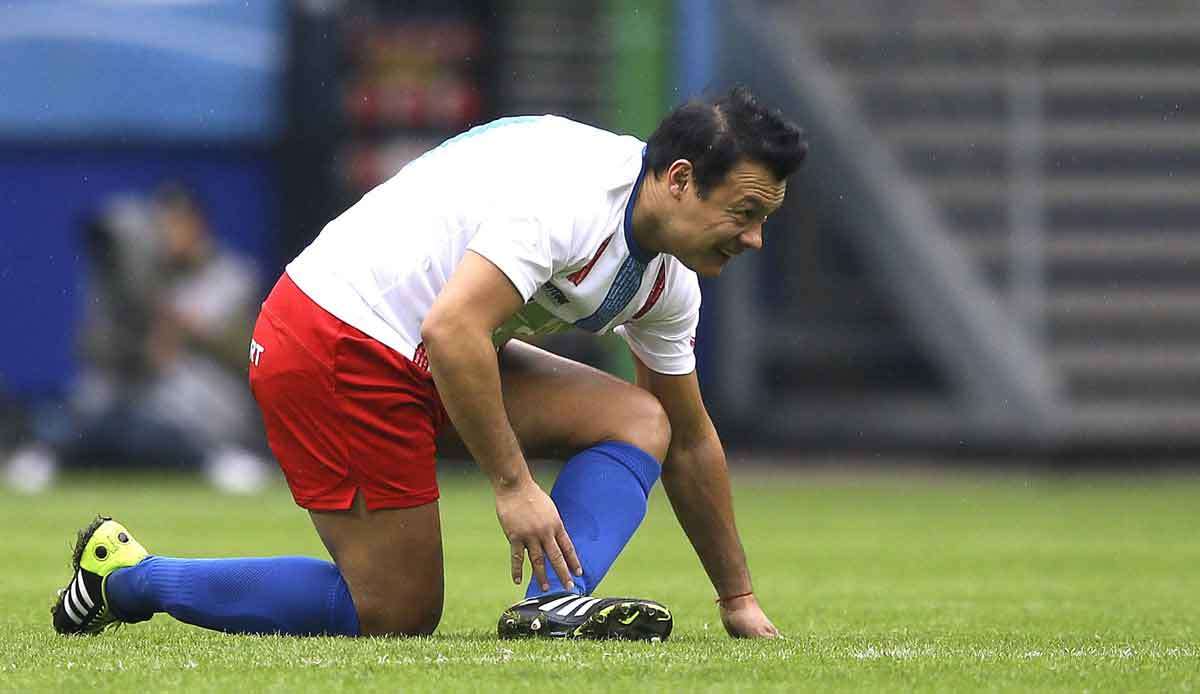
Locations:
(642, 255)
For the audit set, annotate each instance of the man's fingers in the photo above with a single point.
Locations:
(555, 556)
(768, 631)
(568, 550)
(537, 560)
(517, 554)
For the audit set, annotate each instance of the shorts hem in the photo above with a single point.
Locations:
(374, 502)
(377, 503)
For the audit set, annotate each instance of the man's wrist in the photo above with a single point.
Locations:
(734, 591)
(736, 600)
(511, 482)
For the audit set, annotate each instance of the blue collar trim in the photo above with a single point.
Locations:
(642, 255)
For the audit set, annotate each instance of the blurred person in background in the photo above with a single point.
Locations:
(163, 353)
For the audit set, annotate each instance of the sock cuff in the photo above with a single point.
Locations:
(645, 467)
(130, 583)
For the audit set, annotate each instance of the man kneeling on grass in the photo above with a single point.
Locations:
(390, 336)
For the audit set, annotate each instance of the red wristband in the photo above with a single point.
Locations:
(721, 601)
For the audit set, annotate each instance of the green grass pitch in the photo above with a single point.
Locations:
(881, 582)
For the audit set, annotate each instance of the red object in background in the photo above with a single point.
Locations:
(445, 102)
(405, 75)
(454, 103)
(365, 166)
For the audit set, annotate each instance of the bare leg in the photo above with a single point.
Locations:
(558, 406)
(613, 436)
(392, 561)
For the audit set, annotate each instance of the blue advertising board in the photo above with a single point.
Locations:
(139, 69)
(45, 198)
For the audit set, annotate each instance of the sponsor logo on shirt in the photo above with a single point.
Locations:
(555, 293)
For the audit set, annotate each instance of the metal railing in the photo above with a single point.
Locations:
(994, 356)
(1027, 233)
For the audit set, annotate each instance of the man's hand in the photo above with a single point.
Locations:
(697, 482)
(743, 618)
(532, 525)
(457, 334)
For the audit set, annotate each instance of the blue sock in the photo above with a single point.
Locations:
(601, 497)
(298, 596)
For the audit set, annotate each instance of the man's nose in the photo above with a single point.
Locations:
(752, 238)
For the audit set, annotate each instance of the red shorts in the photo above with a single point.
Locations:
(343, 412)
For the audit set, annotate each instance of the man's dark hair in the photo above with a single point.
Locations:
(716, 135)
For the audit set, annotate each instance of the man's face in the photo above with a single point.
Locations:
(705, 233)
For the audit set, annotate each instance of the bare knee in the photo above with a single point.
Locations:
(644, 423)
(385, 618)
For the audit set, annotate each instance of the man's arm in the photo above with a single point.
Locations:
(697, 483)
(457, 333)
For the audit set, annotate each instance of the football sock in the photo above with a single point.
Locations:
(297, 596)
(601, 496)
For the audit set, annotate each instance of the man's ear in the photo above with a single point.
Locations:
(679, 177)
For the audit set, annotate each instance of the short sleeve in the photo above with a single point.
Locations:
(520, 247)
(665, 339)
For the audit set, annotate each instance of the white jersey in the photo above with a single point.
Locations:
(549, 202)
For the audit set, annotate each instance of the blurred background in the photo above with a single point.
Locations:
(991, 251)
